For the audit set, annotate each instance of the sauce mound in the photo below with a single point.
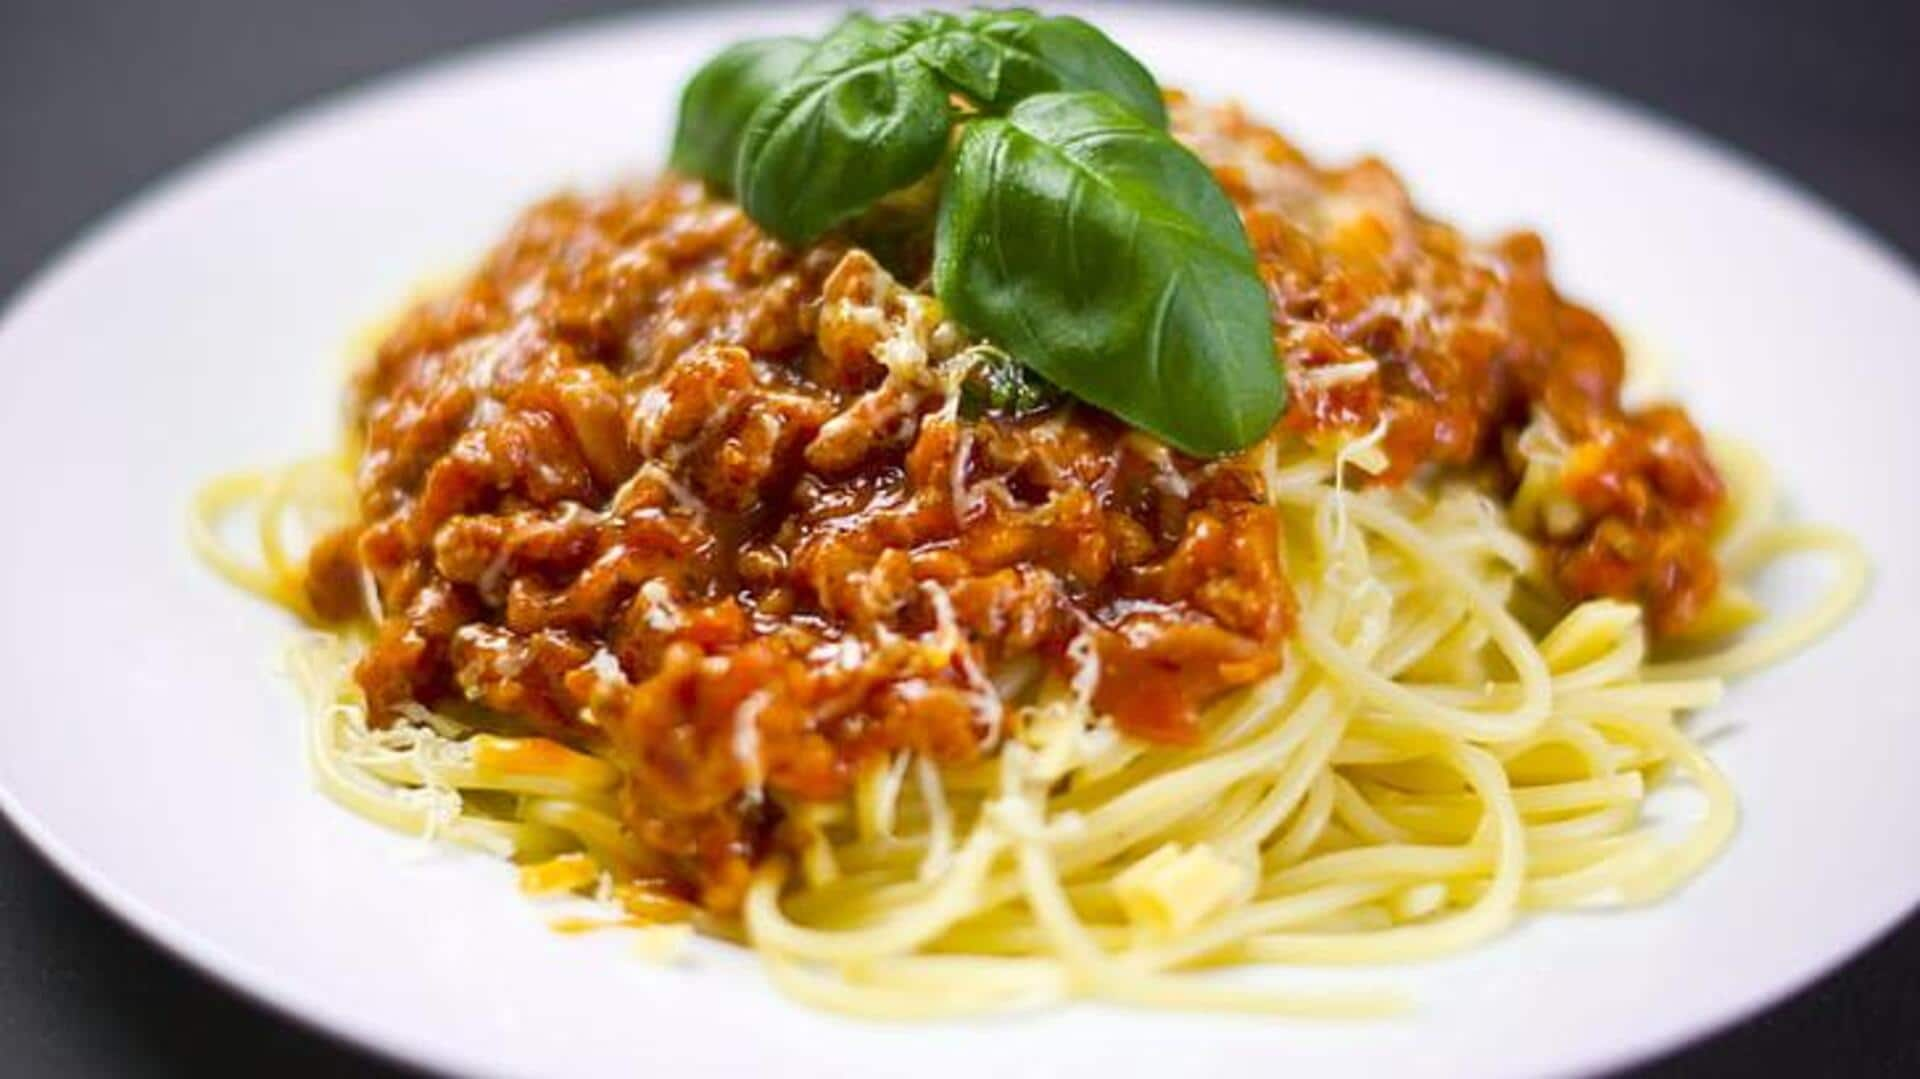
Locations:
(1473, 361)
(651, 479)
(651, 483)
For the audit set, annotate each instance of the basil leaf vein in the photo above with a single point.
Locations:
(1043, 53)
(862, 117)
(1091, 245)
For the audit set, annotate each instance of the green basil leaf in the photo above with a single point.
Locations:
(721, 96)
(1042, 53)
(996, 58)
(1094, 248)
(965, 60)
(862, 117)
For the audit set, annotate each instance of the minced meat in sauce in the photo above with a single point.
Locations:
(651, 481)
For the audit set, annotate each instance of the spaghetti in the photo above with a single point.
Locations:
(1428, 764)
(1398, 734)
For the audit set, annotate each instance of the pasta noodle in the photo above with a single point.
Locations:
(1433, 759)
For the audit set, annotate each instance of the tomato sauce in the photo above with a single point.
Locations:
(1382, 313)
(654, 484)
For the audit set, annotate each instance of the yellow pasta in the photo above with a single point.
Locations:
(1353, 809)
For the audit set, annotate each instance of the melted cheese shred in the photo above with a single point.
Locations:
(1430, 764)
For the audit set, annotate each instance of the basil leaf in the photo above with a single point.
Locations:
(721, 96)
(996, 58)
(862, 117)
(1059, 52)
(1097, 250)
(867, 112)
(964, 60)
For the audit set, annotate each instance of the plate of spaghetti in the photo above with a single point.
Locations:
(974, 539)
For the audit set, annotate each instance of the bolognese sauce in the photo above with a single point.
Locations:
(1385, 316)
(651, 481)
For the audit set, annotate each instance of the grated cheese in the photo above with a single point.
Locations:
(662, 614)
(606, 667)
(1176, 888)
(1339, 374)
(746, 736)
(985, 699)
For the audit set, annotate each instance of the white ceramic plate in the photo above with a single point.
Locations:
(151, 750)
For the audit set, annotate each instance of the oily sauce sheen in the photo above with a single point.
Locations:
(650, 483)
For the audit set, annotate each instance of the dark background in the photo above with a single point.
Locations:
(98, 99)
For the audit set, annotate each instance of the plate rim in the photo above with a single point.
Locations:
(256, 982)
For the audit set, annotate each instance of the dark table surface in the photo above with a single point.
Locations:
(98, 99)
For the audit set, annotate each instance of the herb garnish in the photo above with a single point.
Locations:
(1073, 232)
